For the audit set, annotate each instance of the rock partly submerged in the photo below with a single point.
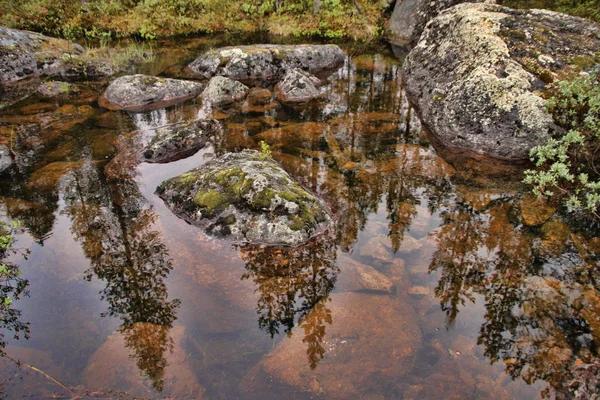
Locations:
(248, 197)
(476, 75)
(267, 61)
(297, 86)
(176, 141)
(143, 93)
(222, 91)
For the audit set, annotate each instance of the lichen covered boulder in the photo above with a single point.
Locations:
(267, 61)
(142, 92)
(176, 141)
(410, 17)
(248, 197)
(223, 91)
(297, 86)
(478, 74)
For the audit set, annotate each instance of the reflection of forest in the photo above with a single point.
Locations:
(115, 226)
(293, 286)
(540, 292)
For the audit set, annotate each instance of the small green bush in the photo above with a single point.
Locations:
(568, 167)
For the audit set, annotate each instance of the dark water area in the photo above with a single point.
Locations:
(430, 285)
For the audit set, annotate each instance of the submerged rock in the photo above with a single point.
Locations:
(181, 140)
(247, 196)
(358, 277)
(143, 360)
(267, 61)
(55, 88)
(410, 17)
(366, 337)
(223, 91)
(297, 86)
(143, 93)
(476, 73)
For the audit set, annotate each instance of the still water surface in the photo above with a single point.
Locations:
(430, 286)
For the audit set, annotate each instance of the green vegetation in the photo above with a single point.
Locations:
(582, 8)
(149, 19)
(568, 167)
(265, 150)
(12, 286)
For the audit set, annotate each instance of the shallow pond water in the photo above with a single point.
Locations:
(429, 286)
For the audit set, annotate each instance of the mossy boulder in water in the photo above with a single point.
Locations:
(267, 61)
(142, 92)
(479, 72)
(248, 197)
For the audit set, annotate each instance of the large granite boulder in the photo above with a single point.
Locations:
(248, 197)
(25, 54)
(267, 61)
(297, 86)
(176, 141)
(478, 74)
(222, 91)
(410, 17)
(142, 92)
(342, 349)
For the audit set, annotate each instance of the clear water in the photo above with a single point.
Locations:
(126, 300)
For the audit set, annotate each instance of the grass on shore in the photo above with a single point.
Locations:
(149, 19)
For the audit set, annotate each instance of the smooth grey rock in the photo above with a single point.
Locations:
(177, 141)
(410, 17)
(267, 61)
(475, 79)
(248, 197)
(142, 92)
(297, 86)
(6, 160)
(222, 91)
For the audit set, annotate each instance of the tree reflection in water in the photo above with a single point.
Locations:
(115, 226)
(540, 293)
(293, 286)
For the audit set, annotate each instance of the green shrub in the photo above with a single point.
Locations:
(568, 167)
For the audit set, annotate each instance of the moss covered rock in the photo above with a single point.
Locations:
(248, 197)
(479, 74)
